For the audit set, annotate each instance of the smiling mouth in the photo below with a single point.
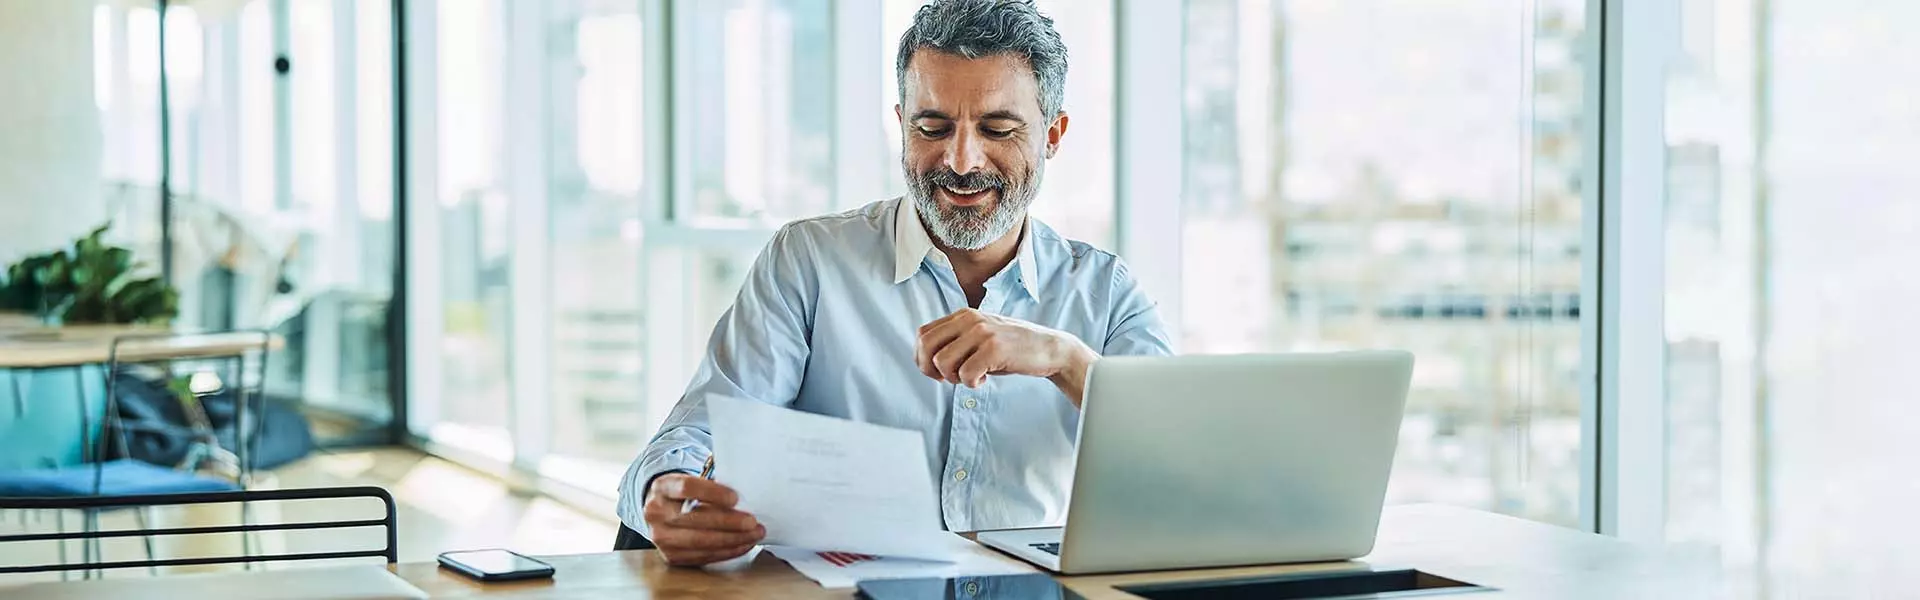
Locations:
(965, 196)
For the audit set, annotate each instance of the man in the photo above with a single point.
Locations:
(948, 312)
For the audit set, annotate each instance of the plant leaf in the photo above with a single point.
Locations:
(119, 260)
(90, 282)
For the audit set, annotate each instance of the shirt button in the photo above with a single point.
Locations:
(973, 588)
(971, 404)
(960, 475)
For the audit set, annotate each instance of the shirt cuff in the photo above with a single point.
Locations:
(639, 480)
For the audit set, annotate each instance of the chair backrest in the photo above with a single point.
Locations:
(390, 551)
(232, 347)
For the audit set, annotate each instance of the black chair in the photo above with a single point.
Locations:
(390, 551)
(628, 539)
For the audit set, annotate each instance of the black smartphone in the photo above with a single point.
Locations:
(495, 565)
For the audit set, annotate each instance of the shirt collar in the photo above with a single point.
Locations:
(911, 245)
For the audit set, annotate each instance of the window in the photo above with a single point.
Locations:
(562, 344)
(1359, 180)
(1077, 197)
(755, 119)
(255, 124)
(282, 213)
(103, 58)
(1789, 221)
(475, 233)
(596, 209)
(761, 79)
(133, 131)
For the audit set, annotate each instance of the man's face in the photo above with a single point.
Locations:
(974, 144)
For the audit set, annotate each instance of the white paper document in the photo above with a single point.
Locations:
(843, 569)
(823, 483)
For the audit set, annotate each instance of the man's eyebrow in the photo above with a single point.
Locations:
(1003, 115)
(998, 115)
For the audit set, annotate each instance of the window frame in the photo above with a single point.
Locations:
(1623, 422)
(1148, 147)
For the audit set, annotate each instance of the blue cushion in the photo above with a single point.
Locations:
(124, 477)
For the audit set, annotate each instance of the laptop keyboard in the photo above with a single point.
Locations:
(1048, 547)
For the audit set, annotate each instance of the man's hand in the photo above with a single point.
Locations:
(713, 532)
(968, 345)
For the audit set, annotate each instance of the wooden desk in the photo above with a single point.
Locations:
(53, 347)
(18, 320)
(1520, 558)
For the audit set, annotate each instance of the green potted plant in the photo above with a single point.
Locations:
(90, 282)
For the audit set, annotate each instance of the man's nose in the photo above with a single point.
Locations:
(965, 152)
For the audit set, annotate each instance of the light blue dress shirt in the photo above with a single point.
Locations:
(827, 321)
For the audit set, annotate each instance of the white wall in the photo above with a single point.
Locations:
(49, 125)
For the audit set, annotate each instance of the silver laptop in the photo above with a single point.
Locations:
(1213, 461)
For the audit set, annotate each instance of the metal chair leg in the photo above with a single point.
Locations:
(60, 526)
(146, 540)
(91, 548)
(19, 394)
(246, 538)
(243, 451)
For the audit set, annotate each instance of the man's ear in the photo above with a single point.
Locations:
(1055, 131)
(899, 115)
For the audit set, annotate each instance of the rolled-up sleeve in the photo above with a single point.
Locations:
(758, 351)
(1136, 329)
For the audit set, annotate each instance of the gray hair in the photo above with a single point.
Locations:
(978, 28)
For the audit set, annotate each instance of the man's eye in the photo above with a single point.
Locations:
(932, 132)
(999, 133)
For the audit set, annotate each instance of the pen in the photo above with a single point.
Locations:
(706, 472)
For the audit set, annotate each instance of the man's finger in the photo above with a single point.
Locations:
(936, 336)
(952, 324)
(664, 512)
(964, 314)
(931, 343)
(706, 557)
(931, 325)
(955, 354)
(687, 487)
(699, 540)
(714, 518)
(923, 358)
(985, 360)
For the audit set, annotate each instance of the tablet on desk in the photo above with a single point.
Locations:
(1032, 586)
(1336, 583)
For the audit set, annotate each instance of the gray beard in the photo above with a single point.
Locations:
(972, 227)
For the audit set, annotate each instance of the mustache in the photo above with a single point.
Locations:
(977, 180)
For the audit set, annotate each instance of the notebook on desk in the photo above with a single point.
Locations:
(330, 583)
